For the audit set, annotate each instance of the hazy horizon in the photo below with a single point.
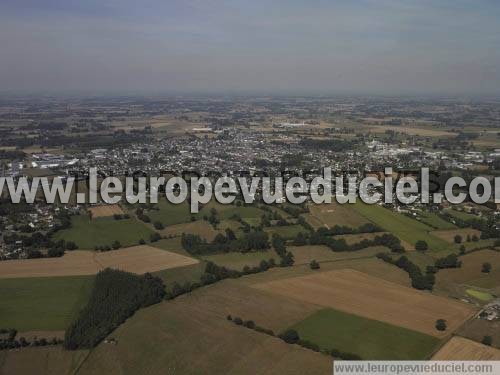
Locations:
(359, 47)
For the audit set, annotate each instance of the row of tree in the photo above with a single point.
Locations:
(10, 341)
(254, 240)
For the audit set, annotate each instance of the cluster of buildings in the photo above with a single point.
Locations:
(491, 311)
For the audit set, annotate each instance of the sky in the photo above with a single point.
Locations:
(386, 47)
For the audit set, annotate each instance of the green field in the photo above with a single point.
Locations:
(169, 213)
(405, 228)
(482, 296)
(370, 339)
(239, 260)
(191, 273)
(103, 231)
(47, 303)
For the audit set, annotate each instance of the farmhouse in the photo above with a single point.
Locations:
(491, 311)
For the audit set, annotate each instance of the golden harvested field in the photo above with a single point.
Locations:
(461, 349)
(333, 214)
(449, 235)
(107, 210)
(136, 259)
(364, 295)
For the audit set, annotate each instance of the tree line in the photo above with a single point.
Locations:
(254, 240)
(116, 295)
(10, 341)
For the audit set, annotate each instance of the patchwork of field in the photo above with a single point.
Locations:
(449, 235)
(103, 211)
(361, 294)
(138, 259)
(88, 234)
(407, 229)
(209, 343)
(329, 215)
(459, 348)
(370, 339)
(42, 304)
